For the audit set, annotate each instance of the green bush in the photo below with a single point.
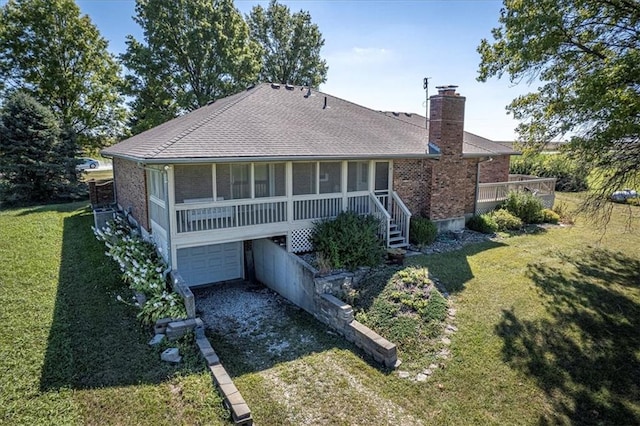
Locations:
(422, 231)
(549, 216)
(348, 241)
(570, 177)
(524, 205)
(482, 223)
(505, 220)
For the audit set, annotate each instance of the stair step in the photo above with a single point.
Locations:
(399, 245)
(396, 239)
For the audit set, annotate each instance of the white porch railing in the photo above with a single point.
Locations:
(207, 215)
(400, 215)
(194, 217)
(492, 194)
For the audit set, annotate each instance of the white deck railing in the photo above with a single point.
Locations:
(492, 194)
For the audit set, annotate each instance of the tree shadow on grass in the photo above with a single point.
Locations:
(94, 340)
(584, 355)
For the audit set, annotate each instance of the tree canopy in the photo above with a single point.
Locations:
(58, 56)
(586, 56)
(290, 43)
(193, 52)
(34, 161)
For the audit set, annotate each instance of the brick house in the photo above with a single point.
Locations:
(269, 161)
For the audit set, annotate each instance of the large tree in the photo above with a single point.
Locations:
(50, 50)
(585, 54)
(290, 43)
(34, 159)
(194, 52)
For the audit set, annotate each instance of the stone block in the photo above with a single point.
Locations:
(212, 359)
(156, 340)
(171, 355)
(228, 390)
(220, 375)
(240, 412)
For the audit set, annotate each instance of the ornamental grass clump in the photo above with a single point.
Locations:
(142, 270)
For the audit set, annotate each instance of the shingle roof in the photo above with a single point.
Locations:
(271, 121)
(472, 145)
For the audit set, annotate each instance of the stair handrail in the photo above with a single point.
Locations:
(406, 213)
(385, 220)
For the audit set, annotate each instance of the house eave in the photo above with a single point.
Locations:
(249, 159)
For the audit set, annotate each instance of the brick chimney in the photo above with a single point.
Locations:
(449, 179)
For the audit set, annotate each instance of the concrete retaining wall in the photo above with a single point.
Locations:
(294, 279)
(180, 286)
(284, 273)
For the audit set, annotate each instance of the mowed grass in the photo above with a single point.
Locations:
(548, 333)
(69, 352)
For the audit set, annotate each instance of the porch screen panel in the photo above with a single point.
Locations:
(269, 180)
(304, 178)
(357, 176)
(330, 177)
(193, 183)
(233, 181)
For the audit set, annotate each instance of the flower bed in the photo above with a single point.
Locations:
(142, 270)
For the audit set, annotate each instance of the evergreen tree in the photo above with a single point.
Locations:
(35, 165)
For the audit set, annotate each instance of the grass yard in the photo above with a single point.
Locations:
(69, 352)
(548, 333)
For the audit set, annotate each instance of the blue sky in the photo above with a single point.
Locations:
(378, 52)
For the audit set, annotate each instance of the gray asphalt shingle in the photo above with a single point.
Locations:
(270, 121)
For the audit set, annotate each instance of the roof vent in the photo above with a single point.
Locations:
(275, 86)
(251, 86)
(211, 101)
(288, 86)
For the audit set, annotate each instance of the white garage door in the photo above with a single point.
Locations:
(210, 264)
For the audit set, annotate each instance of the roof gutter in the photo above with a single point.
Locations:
(248, 159)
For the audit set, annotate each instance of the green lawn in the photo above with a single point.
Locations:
(69, 352)
(548, 333)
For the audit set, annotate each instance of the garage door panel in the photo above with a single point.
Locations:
(211, 263)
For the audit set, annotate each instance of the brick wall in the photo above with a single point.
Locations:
(450, 183)
(411, 180)
(496, 170)
(470, 189)
(131, 189)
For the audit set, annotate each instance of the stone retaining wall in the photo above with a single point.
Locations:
(180, 286)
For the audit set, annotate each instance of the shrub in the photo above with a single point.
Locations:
(422, 231)
(482, 223)
(142, 270)
(566, 216)
(348, 241)
(524, 205)
(505, 220)
(415, 292)
(549, 216)
(570, 177)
